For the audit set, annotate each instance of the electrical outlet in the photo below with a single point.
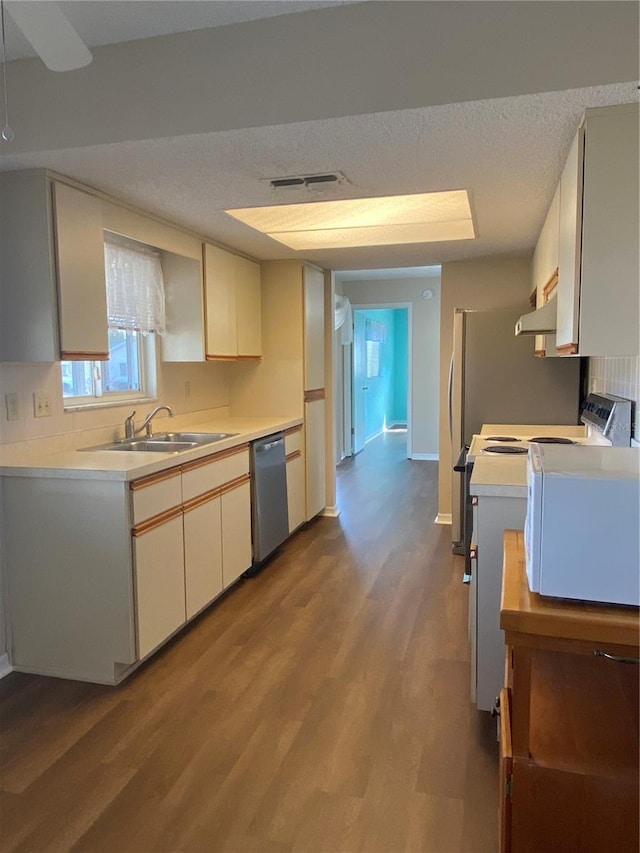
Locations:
(187, 390)
(12, 403)
(42, 405)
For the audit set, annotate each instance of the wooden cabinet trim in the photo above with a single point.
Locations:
(550, 286)
(314, 395)
(152, 479)
(296, 454)
(213, 357)
(66, 355)
(214, 457)
(156, 521)
(204, 498)
(234, 484)
(506, 771)
(293, 430)
(568, 349)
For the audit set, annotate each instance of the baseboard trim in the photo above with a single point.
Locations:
(330, 512)
(425, 457)
(443, 518)
(5, 666)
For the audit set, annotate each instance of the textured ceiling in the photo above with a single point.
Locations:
(507, 152)
(401, 97)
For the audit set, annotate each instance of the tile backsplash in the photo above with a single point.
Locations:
(619, 375)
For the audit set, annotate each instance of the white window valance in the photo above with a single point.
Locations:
(135, 287)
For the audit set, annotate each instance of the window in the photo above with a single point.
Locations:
(135, 310)
(374, 335)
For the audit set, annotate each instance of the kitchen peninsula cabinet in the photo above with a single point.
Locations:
(568, 721)
(101, 572)
(598, 250)
(233, 306)
(52, 276)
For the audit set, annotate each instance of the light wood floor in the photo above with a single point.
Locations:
(322, 706)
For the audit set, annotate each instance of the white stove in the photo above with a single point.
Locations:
(510, 445)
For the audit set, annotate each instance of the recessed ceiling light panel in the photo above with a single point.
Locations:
(391, 220)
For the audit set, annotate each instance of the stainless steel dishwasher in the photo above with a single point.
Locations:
(269, 513)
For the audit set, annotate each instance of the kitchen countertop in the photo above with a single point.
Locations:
(129, 465)
(504, 477)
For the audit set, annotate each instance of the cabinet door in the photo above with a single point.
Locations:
(220, 302)
(159, 578)
(609, 291)
(506, 770)
(248, 308)
(569, 248)
(295, 492)
(545, 265)
(236, 533)
(82, 294)
(202, 554)
(313, 329)
(314, 430)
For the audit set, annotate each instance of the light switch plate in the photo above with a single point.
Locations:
(42, 405)
(12, 403)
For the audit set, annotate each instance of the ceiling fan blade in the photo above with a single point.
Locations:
(48, 30)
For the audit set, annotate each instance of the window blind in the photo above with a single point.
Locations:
(135, 286)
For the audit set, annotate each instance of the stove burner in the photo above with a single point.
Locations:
(502, 438)
(552, 439)
(504, 448)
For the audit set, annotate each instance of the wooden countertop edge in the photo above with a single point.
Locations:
(524, 612)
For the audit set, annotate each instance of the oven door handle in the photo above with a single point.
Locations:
(461, 464)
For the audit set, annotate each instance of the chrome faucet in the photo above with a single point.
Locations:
(130, 428)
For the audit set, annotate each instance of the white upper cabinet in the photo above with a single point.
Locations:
(313, 329)
(598, 293)
(233, 311)
(545, 269)
(52, 300)
(82, 291)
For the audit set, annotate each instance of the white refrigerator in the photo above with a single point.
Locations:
(494, 377)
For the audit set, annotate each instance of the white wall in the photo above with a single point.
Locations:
(496, 282)
(425, 343)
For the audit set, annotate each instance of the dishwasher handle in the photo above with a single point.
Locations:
(269, 445)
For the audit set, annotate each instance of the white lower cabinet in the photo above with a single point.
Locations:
(236, 532)
(202, 554)
(295, 492)
(159, 582)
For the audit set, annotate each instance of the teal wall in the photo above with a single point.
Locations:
(398, 412)
(385, 401)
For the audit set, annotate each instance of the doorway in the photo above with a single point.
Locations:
(378, 393)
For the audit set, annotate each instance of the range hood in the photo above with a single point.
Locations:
(542, 321)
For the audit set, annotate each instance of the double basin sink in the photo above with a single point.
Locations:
(166, 442)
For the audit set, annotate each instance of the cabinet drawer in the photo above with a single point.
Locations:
(209, 473)
(293, 440)
(155, 494)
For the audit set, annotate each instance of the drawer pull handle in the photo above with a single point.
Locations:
(617, 658)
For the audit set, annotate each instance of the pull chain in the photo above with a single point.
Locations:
(7, 133)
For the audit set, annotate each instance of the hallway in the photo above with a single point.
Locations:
(322, 706)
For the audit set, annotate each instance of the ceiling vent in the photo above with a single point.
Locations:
(322, 181)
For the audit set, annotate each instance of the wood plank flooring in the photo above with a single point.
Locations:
(321, 706)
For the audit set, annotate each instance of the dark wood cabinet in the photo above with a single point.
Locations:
(569, 721)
